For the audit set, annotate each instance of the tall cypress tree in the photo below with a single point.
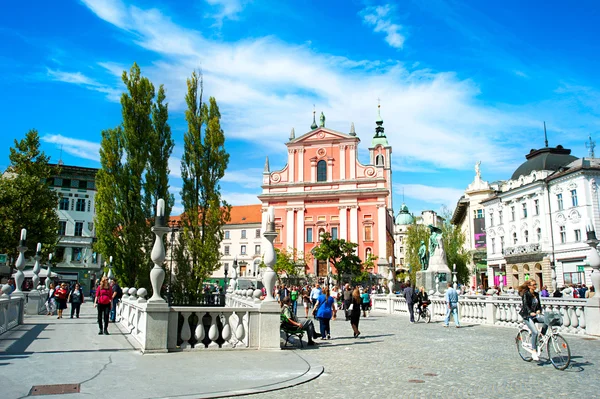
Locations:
(134, 174)
(202, 166)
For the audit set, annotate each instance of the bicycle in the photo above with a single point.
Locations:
(556, 346)
(424, 314)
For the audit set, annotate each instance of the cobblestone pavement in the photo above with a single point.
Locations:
(476, 361)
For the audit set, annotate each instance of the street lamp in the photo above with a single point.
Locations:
(174, 225)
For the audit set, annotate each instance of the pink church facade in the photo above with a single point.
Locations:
(324, 188)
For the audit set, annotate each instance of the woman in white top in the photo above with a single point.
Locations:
(51, 302)
(335, 295)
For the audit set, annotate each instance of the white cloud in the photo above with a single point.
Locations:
(265, 87)
(379, 18)
(521, 74)
(247, 178)
(79, 148)
(227, 9)
(80, 79)
(112, 11)
(238, 198)
(433, 195)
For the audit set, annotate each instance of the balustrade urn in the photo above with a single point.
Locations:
(257, 293)
(142, 293)
(226, 332)
(199, 333)
(6, 291)
(126, 293)
(186, 333)
(213, 332)
(132, 293)
(249, 292)
(36, 267)
(157, 274)
(20, 265)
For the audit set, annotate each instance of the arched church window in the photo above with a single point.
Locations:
(321, 171)
(379, 160)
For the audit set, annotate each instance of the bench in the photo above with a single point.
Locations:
(291, 331)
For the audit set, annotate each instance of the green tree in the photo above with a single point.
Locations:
(341, 254)
(126, 153)
(454, 241)
(289, 261)
(202, 167)
(27, 200)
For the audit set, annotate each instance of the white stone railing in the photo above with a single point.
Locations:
(36, 301)
(243, 299)
(243, 323)
(195, 328)
(502, 311)
(11, 312)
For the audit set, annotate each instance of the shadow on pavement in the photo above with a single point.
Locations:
(22, 343)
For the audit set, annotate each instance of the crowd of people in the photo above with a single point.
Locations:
(106, 295)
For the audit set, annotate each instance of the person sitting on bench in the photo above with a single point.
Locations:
(307, 325)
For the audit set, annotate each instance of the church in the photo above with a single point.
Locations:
(324, 188)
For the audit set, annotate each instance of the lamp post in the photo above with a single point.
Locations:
(49, 274)
(157, 274)
(20, 265)
(225, 270)
(174, 225)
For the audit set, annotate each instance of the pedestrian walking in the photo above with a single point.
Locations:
(294, 299)
(366, 301)
(51, 301)
(452, 306)
(103, 302)
(354, 308)
(306, 300)
(117, 293)
(61, 294)
(75, 299)
(335, 295)
(411, 298)
(323, 312)
(315, 293)
(347, 300)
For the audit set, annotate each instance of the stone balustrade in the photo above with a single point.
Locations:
(502, 311)
(36, 301)
(238, 325)
(11, 312)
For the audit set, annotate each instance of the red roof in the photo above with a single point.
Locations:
(240, 214)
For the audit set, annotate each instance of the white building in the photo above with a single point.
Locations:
(537, 219)
(74, 257)
(469, 216)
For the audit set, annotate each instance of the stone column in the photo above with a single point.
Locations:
(34, 297)
(381, 232)
(342, 162)
(329, 169)
(354, 224)
(268, 334)
(20, 265)
(301, 165)
(289, 239)
(313, 170)
(300, 229)
(291, 163)
(352, 161)
(343, 233)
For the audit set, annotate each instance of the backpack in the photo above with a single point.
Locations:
(119, 291)
(415, 297)
(575, 293)
(294, 295)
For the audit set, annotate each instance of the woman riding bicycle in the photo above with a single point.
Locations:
(531, 312)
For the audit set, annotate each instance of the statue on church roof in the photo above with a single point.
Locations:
(478, 170)
(322, 119)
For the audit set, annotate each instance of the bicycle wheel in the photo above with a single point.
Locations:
(558, 352)
(522, 340)
(427, 315)
(418, 315)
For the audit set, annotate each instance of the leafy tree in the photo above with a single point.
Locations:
(288, 261)
(454, 241)
(202, 167)
(131, 178)
(341, 254)
(27, 200)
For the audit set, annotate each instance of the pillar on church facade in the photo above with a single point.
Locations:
(381, 233)
(300, 229)
(354, 224)
(313, 170)
(342, 162)
(343, 233)
(301, 165)
(329, 169)
(291, 163)
(289, 239)
(352, 161)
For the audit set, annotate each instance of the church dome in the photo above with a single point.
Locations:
(547, 158)
(404, 217)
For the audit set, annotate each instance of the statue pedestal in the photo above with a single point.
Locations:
(437, 267)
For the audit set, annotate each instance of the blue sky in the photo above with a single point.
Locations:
(458, 81)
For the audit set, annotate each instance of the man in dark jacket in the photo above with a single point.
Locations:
(409, 295)
(347, 300)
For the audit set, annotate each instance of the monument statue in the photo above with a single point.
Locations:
(478, 170)
(423, 258)
(322, 119)
(435, 240)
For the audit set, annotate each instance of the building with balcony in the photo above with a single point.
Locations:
(535, 221)
(74, 257)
